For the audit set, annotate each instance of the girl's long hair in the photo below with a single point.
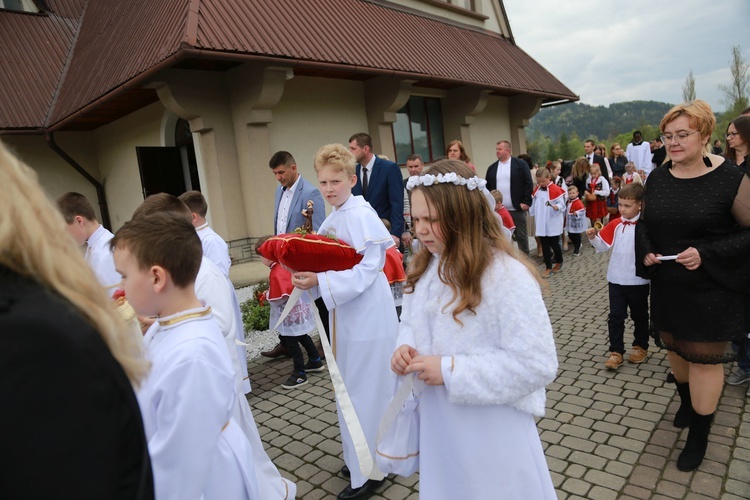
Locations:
(34, 243)
(471, 235)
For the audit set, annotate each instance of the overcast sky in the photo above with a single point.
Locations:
(637, 50)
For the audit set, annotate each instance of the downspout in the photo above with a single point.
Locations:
(101, 197)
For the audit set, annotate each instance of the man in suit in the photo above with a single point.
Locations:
(512, 177)
(588, 148)
(292, 196)
(414, 165)
(379, 181)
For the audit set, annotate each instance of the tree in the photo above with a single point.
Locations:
(688, 88)
(737, 93)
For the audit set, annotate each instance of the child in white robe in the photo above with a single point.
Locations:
(214, 246)
(85, 229)
(548, 208)
(214, 289)
(484, 355)
(197, 448)
(362, 312)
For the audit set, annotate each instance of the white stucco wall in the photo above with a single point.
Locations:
(489, 127)
(314, 112)
(55, 175)
(115, 147)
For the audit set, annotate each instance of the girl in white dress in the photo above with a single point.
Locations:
(475, 329)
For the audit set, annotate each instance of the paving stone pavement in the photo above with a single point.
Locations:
(606, 435)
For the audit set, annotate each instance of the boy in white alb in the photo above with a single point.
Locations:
(214, 246)
(626, 290)
(85, 229)
(197, 448)
(363, 315)
(548, 208)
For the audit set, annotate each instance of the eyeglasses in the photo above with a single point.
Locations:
(732, 134)
(679, 137)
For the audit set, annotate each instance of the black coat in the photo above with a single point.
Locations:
(521, 184)
(71, 425)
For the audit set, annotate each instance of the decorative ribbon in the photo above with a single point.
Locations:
(366, 464)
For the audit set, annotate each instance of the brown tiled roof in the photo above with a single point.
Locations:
(34, 50)
(121, 41)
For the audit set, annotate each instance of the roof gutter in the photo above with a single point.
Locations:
(557, 103)
(187, 52)
(101, 197)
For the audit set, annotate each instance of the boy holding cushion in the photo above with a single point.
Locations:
(362, 313)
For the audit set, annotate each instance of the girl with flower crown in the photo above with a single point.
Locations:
(475, 330)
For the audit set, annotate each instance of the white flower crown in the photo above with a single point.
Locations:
(471, 183)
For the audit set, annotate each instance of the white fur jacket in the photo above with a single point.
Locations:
(503, 355)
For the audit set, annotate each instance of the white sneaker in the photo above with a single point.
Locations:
(739, 376)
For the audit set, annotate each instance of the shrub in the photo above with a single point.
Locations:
(256, 312)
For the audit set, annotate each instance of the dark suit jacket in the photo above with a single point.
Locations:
(71, 424)
(521, 184)
(304, 191)
(385, 192)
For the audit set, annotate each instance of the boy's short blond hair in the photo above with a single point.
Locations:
(543, 173)
(163, 239)
(497, 195)
(336, 156)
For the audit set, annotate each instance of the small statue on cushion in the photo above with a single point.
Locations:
(307, 228)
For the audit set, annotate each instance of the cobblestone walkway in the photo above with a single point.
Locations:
(607, 435)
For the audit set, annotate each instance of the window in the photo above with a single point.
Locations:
(466, 7)
(19, 5)
(419, 129)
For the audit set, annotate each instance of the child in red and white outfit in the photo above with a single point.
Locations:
(296, 327)
(502, 211)
(548, 207)
(626, 290)
(596, 210)
(576, 219)
(630, 176)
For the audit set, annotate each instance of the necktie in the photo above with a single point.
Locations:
(364, 181)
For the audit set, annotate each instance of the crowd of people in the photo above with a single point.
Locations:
(165, 396)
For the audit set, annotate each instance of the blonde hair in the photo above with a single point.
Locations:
(699, 115)
(34, 243)
(471, 235)
(581, 167)
(336, 156)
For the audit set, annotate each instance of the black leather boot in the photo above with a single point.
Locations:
(697, 442)
(685, 412)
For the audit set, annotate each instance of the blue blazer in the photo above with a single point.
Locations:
(304, 191)
(521, 184)
(385, 193)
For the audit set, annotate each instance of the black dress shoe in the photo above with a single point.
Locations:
(277, 351)
(365, 491)
(345, 472)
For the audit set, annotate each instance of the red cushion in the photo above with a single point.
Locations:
(311, 252)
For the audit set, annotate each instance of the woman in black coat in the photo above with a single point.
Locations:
(71, 426)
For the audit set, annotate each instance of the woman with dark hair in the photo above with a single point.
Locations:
(738, 142)
(692, 242)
